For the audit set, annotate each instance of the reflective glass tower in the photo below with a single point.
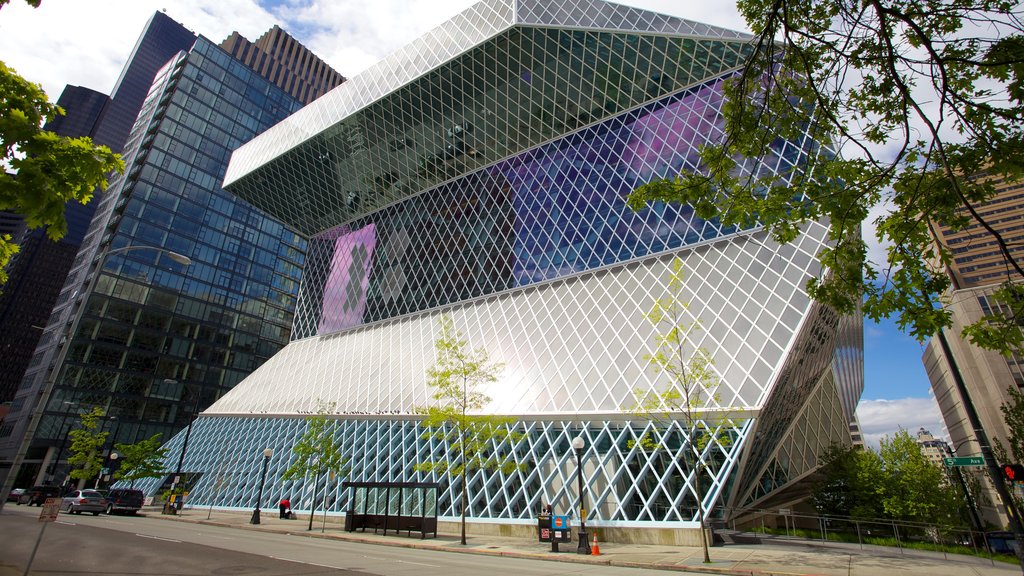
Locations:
(136, 333)
(481, 173)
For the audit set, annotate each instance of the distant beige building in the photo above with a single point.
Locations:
(932, 448)
(977, 269)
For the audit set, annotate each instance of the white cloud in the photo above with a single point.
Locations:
(879, 418)
(86, 43)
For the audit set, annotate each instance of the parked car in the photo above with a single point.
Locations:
(37, 495)
(84, 501)
(123, 500)
(15, 495)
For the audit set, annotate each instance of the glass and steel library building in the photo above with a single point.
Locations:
(480, 173)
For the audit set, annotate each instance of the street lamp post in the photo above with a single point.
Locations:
(267, 453)
(52, 476)
(110, 471)
(184, 444)
(584, 539)
(43, 396)
(103, 463)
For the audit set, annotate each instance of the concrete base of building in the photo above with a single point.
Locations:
(620, 535)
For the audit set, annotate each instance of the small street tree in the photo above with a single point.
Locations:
(143, 459)
(87, 441)
(317, 453)
(691, 384)
(454, 419)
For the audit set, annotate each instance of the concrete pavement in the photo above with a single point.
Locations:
(777, 556)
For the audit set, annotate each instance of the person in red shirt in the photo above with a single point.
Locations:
(285, 506)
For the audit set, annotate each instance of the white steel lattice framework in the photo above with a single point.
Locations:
(481, 173)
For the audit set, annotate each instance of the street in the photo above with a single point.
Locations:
(115, 545)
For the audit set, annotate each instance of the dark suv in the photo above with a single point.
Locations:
(37, 495)
(124, 500)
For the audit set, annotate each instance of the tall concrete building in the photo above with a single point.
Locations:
(179, 290)
(977, 269)
(285, 62)
(480, 174)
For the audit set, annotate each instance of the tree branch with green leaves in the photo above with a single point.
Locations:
(924, 99)
(143, 459)
(43, 171)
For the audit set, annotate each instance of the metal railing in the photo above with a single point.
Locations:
(785, 523)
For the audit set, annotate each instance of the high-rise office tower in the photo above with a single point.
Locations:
(162, 37)
(37, 272)
(480, 173)
(977, 269)
(40, 270)
(180, 290)
(286, 62)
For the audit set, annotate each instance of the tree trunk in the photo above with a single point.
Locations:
(312, 512)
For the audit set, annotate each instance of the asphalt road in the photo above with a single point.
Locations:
(83, 545)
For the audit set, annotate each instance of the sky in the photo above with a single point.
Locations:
(86, 42)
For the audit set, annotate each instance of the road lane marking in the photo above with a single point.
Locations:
(157, 538)
(304, 562)
(418, 563)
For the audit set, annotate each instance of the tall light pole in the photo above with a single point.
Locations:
(184, 445)
(44, 394)
(52, 476)
(103, 462)
(584, 539)
(267, 453)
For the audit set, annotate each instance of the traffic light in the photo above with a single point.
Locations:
(1013, 472)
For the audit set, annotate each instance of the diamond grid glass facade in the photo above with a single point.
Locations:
(489, 186)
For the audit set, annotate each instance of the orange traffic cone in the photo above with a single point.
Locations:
(595, 550)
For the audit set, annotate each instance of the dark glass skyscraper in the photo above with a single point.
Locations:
(37, 272)
(147, 339)
(161, 39)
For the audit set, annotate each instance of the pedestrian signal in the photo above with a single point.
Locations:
(1013, 472)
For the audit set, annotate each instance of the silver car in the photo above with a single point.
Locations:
(84, 501)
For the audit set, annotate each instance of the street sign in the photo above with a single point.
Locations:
(964, 461)
(51, 508)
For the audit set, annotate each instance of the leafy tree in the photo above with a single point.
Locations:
(87, 441)
(925, 100)
(897, 482)
(47, 170)
(317, 452)
(143, 459)
(848, 479)
(1013, 415)
(692, 384)
(914, 489)
(455, 420)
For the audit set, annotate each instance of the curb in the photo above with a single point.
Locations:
(568, 558)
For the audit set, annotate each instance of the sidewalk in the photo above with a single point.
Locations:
(780, 557)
